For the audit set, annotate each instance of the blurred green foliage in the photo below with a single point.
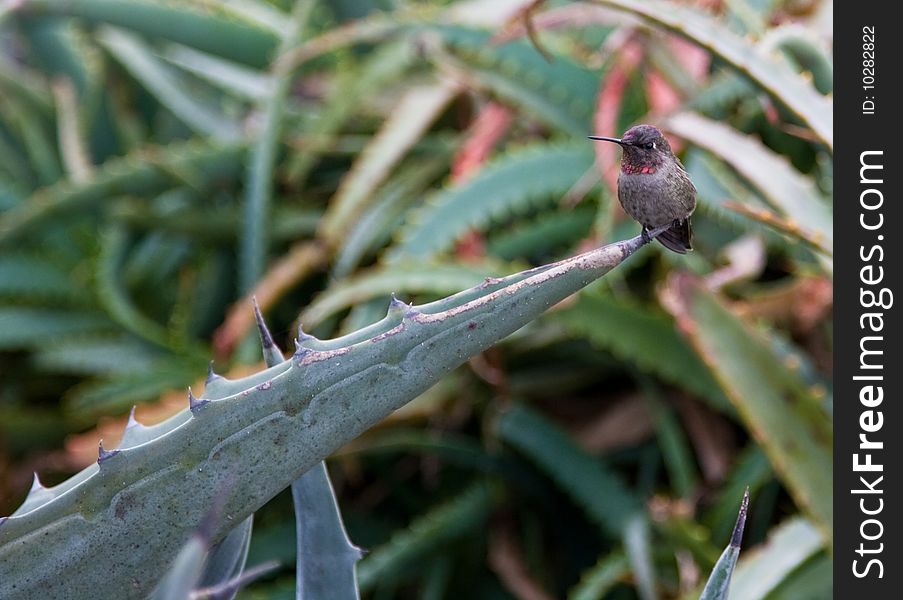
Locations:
(161, 161)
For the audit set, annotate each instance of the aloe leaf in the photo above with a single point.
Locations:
(97, 355)
(785, 188)
(646, 338)
(31, 279)
(141, 172)
(161, 81)
(543, 236)
(117, 391)
(29, 85)
(262, 159)
(803, 49)
(35, 138)
(207, 30)
(114, 298)
(751, 471)
(326, 557)
(385, 213)
(716, 588)
(598, 580)
(27, 327)
(774, 77)
(601, 493)
(400, 280)
(418, 108)
(813, 579)
(512, 183)
(262, 432)
(238, 80)
(672, 440)
(788, 547)
(261, 14)
(557, 92)
(72, 143)
(772, 400)
(378, 69)
(426, 535)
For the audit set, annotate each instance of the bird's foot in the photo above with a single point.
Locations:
(644, 235)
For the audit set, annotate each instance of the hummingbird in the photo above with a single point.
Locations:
(653, 186)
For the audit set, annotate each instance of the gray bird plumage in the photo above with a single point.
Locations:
(653, 186)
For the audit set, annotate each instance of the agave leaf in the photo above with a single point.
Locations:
(262, 432)
(774, 77)
(788, 547)
(774, 403)
(226, 560)
(326, 557)
(716, 588)
(185, 572)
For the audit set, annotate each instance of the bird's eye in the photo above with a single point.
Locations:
(649, 145)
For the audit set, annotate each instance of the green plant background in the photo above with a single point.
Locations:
(161, 162)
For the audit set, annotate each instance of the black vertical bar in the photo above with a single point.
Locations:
(868, 53)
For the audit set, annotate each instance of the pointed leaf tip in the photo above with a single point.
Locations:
(737, 535)
(133, 422)
(36, 484)
(195, 403)
(397, 305)
(211, 375)
(103, 454)
(266, 338)
(302, 336)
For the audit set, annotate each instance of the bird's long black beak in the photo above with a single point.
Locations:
(606, 139)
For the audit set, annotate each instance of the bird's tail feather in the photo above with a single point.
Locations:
(678, 238)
